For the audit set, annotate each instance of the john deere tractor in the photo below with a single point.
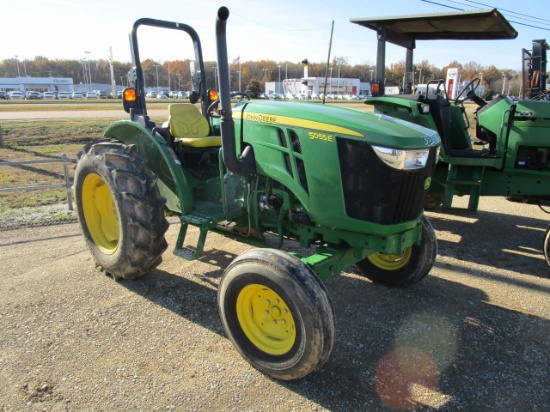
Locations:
(348, 184)
(510, 152)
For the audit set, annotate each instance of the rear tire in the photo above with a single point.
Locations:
(120, 210)
(277, 313)
(405, 270)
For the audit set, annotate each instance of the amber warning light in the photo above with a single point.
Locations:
(129, 95)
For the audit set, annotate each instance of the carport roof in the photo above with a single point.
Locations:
(403, 30)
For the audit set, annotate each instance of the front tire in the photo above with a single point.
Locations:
(546, 245)
(120, 210)
(277, 313)
(404, 270)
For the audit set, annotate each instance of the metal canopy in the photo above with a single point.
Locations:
(403, 30)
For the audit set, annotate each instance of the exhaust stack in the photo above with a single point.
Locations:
(246, 164)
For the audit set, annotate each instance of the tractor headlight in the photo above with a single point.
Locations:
(402, 159)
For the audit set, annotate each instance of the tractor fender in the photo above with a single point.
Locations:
(161, 159)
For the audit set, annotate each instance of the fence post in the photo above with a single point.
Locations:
(67, 183)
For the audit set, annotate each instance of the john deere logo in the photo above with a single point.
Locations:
(427, 183)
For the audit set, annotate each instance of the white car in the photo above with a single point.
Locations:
(101, 94)
(161, 95)
(151, 94)
(32, 95)
(48, 96)
(16, 95)
(77, 95)
(91, 95)
(63, 95)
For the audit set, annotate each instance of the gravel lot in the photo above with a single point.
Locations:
(473, 336)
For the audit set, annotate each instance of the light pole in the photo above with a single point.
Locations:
(168, 70)
(265, 80)
(215, 77)
(112, 72)
(89, 68)
(157, 70)
(85, 73)
(330, 79)
(339, 67)
(279, 83)
(17, 62)
(371, 72)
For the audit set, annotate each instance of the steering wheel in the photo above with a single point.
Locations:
(241, 96)
(214, 105)
(473, 85)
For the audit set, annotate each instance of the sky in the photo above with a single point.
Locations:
(281, 30)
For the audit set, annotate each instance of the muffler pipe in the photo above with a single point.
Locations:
(245, 165)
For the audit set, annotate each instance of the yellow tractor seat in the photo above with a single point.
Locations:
(189, 127)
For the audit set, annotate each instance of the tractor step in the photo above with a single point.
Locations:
(185, 252)
(470, 176)
(205, 215)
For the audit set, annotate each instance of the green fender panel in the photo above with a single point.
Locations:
(172, 183)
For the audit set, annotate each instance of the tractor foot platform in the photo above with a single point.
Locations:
(205, 215)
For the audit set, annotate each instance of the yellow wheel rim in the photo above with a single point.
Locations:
(266, 319)
(390, 262)
(100, 213)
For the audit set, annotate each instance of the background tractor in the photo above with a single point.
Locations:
(348, 184)
(514, 136)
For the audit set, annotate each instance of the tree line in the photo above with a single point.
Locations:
(175, 75)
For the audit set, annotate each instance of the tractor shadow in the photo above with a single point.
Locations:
(497, 240)
(483, 354)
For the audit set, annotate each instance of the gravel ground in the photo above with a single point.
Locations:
(474, 335)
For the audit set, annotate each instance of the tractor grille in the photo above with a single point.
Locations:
(296, 147)
(375, 192)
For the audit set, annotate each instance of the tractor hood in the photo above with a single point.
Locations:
(336, 161)
(334, 121)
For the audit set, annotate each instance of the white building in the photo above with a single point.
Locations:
(39, 84)
(315, 86)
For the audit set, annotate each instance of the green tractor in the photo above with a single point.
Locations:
(514, 136)
(348, 184)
